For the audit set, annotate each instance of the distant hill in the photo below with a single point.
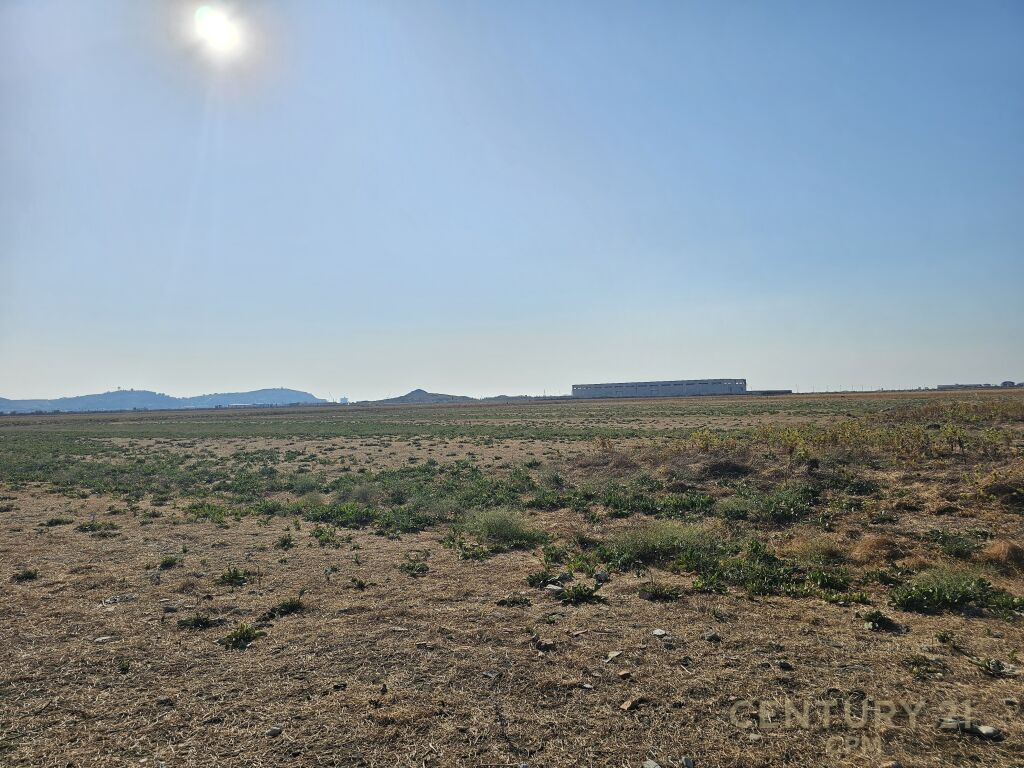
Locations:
(141, 399)
(422, 397)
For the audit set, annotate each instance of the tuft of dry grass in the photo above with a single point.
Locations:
(874, 549)
(1003, 554)
(822, 548)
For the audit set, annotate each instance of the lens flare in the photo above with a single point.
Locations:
(218, 32)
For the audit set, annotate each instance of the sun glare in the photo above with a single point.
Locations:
(218, 32)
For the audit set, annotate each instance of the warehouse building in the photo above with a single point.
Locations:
(662, 388)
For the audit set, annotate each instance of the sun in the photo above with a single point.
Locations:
(218, 32)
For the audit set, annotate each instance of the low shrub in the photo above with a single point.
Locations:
(284, 608)
(785, 504)
(758, 571)
(655, 543)
(577, 594)
(656, 592)
(233, 577)
(198, 621)
(938, 591)
(503, 529)
(834, 580)
(242, 637)
(953, 544)
(736, 507)
(514, 601)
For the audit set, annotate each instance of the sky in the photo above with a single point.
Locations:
(500, 198)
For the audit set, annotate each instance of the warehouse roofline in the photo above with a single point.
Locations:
(653, 383)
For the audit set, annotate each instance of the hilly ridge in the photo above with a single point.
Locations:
(141, 399)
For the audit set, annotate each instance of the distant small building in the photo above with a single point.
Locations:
(978, 386)
(684, 388)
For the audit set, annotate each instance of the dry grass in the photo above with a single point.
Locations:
(874, 549)
(818, 548)
(1003, 554)
(380, 669)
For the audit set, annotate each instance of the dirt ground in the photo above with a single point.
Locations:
(386, 668)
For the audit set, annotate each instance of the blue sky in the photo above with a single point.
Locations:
(485, 198)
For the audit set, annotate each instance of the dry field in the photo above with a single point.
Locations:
(792, 581)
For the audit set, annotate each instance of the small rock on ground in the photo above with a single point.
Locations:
(971, 728)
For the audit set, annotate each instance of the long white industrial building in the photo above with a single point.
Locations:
(662, 388)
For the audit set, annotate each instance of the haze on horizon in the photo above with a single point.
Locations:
(484, 198)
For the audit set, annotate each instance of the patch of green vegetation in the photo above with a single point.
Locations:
(197, 621)
(415, 564)
(577, 594)
(680, 504)
(831, 579)
(170, 561)
(212, 512)
(343, 515)
(468, 550)
(326, 536)
(657, 592)
(502, 529)
(759, 571)
(624, 501)
(709, 583)
(540, 578)
(554, 554)
(576, 499)
(737, 507)
(954, 544)
(923, 667)
(25, 574)
(285, 608)
(939, 591)
(784, 505)
(876, 621)
(233, 577)
(241, 637)
(841, 478)
(886, 577)
(302, 484)
(514, 601)
(55, 521)
(658, 542)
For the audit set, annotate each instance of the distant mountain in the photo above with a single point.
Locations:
(422, 397)
(256, 397)
(141, 399)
